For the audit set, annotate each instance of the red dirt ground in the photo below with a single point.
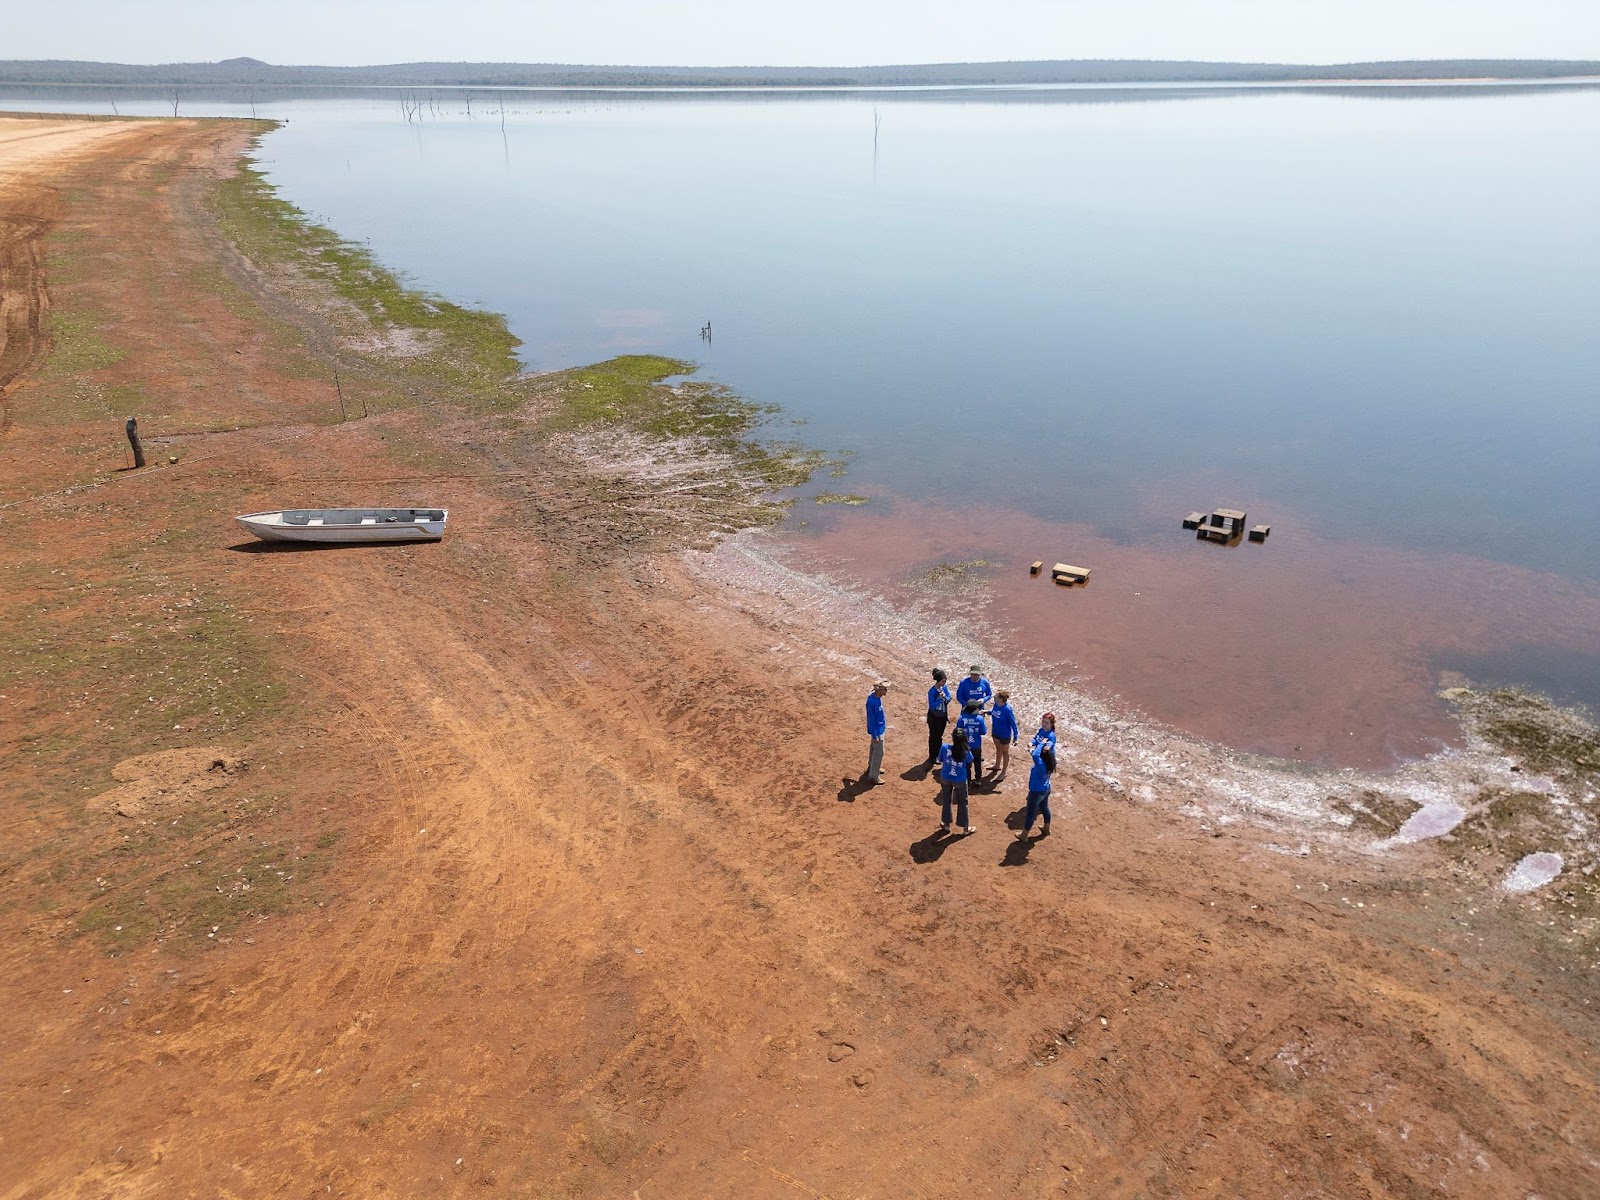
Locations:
(578, 902)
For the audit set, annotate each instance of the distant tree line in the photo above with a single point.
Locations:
(252, 72)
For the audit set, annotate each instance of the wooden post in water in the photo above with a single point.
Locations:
(132, 429)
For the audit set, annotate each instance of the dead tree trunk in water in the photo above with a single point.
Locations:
(132, 429)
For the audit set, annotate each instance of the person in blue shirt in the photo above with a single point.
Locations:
(1046, 737)
(877, 726)
(974, 687)
(1038, 795)
(938, 713)
(955, 761)
(970, 723)
(1005, 731)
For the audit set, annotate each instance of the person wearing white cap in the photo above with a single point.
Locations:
(877, 726)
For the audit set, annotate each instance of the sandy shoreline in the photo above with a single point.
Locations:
(1322, 650)
(536, 858)
(1119, 750)
(42, 145)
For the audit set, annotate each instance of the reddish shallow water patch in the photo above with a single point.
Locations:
(1300, 647)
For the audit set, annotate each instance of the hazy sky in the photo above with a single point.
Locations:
(793, 32)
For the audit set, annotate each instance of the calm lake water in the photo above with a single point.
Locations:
(1046, 323)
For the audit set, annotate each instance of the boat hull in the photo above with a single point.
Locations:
(347, 526)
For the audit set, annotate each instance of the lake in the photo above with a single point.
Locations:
(1046, 323)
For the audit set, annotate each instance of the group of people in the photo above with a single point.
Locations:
(983, 712)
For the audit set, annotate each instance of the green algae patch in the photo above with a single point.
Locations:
(849, 498)
(1541, 736)
(704, 460)
(632, 393)
(399, 346)
(628, 388)
(1374, 812)
(431, 348)
(1506, 825)
(1546, 801)
(954, 574)
(838, 464)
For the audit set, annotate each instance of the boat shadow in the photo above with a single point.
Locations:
(256, 547)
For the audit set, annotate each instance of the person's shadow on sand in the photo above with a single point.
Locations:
(917, 773)
(932, 847)
(849, 789)
(1017, 852)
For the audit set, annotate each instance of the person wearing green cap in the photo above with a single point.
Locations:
(974, 687)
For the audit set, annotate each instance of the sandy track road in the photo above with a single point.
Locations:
(43, 145)
(22, 294)
(32, 151)
(606, 915)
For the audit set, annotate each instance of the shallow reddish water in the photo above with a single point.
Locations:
(1298, 647)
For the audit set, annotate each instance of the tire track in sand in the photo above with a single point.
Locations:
(29, 209)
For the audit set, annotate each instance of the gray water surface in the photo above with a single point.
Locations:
(1375, 310)
(1380, 311)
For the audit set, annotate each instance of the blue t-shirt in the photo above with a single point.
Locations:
(972, 725)
(876, 721)
(938, 698)
(952, 768)
(1003, 723)
(1045, 737)
(1039, 777)
(977, 689)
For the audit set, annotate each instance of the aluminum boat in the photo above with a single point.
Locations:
(347, 524)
